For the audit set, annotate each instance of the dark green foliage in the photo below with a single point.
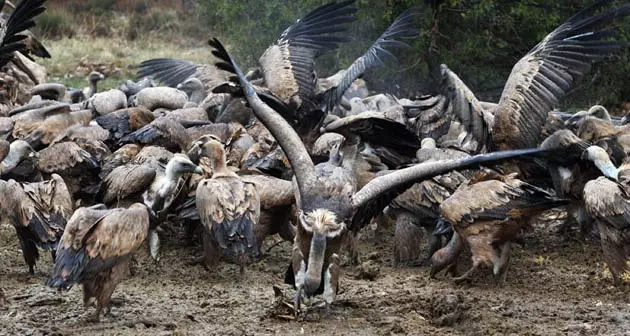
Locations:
(478, 39)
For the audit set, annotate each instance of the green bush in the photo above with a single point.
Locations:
(479, 40)
(55, 24)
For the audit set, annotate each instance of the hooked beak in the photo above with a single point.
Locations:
(179, 86)
(33, 154)
(198, 170)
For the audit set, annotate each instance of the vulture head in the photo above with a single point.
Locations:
(95, 77)
(18, 151)
(322, 224)
(179, 165)
(602, 161)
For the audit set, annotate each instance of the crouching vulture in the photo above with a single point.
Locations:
(329, 201)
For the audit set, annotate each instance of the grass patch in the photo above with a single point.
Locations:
(74, 58)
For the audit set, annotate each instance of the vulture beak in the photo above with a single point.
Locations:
(198, 170)
(179, 86)
(33, 154)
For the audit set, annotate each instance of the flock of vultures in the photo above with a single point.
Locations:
(234, 158)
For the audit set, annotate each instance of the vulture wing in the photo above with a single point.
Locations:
(378, 193)
(229, 209)
(289, 65)
(402, 27)
(96, 239)
(540, 79)
(21, 19)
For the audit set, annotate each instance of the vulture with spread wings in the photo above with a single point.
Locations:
(327, 197)
(537, 83)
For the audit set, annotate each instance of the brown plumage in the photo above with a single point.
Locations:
(54, 125)
(328, 200)
(38, 211)
(229, 209)
(123, 122)
(602, 133)
(608, 202)
(487, 213)
(78, 167)
(120, 157)
(4, 149)
(164, 132)
(277, 211)
(95, 250)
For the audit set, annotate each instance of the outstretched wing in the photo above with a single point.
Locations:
(375, 129)
(540, 79)
(378, 193)
(280, 129)
(167, 70)
(289, 65)
(21, 19)
(402, 27)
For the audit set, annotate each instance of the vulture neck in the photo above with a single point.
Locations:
(219, 167)
(10, 161)
(196, 96)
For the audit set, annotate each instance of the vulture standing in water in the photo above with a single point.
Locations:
(328, 199)
(535, 86)
(608, 201)
(38, 211)
(229, 209)
(96, 248)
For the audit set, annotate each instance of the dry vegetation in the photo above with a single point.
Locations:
(112, 36)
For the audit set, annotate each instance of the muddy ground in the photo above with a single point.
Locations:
(556, 285)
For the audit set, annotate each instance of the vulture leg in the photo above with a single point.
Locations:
(585, 222)
(89, 293)
(447, 256)
(331, 282)
(476, 263)
(407, 237)
(502, 264)
(297, 262)
(350, 242)
(110, 280)
(30, 253)
(261, 230)
(211, 251)
(154, 245)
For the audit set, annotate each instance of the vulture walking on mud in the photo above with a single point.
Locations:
(229, 209)
(329, 202)
(608, 201)
(487, 213)
(95, 251)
